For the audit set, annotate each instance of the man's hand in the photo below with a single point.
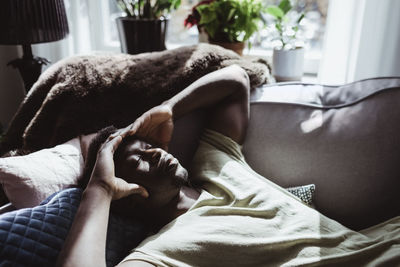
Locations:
(103, 174)
(155, 126)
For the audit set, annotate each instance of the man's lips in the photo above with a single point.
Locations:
(172, 167)
(167, 163)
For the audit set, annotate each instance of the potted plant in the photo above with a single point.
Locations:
(228, 23)
(288, 58)
(145, 25)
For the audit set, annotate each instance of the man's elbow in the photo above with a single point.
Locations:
(241, 78)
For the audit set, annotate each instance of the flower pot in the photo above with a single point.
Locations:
(141, 35)
(287, 65)
(236, 47)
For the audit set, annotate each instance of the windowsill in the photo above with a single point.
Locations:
(170, 45)
(311, 58)
(309, 78)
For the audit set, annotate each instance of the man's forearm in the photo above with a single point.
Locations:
(85, 244)
(209, 90)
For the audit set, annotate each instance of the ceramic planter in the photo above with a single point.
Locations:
(141, 35)
(237, 47)
(287, 65)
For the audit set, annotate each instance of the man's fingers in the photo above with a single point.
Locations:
(137, 189)
(123, 189)
(133, 129)
(118, 132)
(116, 142)
(112, 143)
(130, 129)
(122, 132)
(137, 125)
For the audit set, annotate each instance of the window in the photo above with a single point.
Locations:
(104, 31)
(312, 31)
(177, 34)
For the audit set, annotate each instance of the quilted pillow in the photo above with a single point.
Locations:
(35, 236)
(30, 179)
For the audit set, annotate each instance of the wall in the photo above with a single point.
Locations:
(12, 89)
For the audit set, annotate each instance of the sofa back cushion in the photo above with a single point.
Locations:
(344, 139)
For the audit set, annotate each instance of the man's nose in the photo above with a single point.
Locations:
(153, 154)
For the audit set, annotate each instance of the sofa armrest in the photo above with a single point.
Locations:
(344, 139)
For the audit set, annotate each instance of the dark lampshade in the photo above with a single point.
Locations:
(26, 22)
(32, 21)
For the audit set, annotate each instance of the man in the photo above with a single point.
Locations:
(151, 175)
(236, 218)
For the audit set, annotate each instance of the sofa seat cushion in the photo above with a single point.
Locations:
(344, 139)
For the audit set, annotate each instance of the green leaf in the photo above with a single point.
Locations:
(285, 6)
(132, 9)
(231, 14)
(207, 14)
(124, 7)
(231, 20)
(275, 11)
(176, 4)
(278, 26)
(153, 8)
(212, 29)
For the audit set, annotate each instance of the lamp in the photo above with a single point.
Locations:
(26, 22)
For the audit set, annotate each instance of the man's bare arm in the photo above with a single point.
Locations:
(86, 241)
(84, 244)
(226, 92)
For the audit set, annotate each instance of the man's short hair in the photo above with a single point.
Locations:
(91, 157)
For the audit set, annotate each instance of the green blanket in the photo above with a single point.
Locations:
(242, 219)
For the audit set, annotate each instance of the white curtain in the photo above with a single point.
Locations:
(79, 38)
(362, 41)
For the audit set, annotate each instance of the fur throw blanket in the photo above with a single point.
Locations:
(83, 94)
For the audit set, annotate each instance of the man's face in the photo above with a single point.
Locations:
(153, 168)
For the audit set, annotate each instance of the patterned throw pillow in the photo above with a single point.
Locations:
(304, 192)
